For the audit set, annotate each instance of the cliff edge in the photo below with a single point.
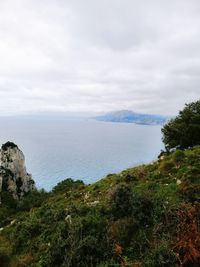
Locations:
(13, 175)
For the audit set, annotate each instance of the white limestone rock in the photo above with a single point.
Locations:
(13, 175)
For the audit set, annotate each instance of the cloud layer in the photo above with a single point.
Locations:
(58, 55)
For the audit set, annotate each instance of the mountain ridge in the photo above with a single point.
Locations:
(129, 116)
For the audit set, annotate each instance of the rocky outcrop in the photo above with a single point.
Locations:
(13, 176)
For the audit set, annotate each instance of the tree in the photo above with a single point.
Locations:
(184, 130)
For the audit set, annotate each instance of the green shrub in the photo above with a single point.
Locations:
(183, 131)
(66, 185)
(125, 203)
(55, 255)
(161, 256)
(142, 209)
(178, 156)
(121, 201)
(8, 200)
(8, 144)
(166, 166)
(5, 252)
(4, 259)
(122, 231)
(31, 200)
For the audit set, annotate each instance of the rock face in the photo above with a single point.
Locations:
(13, 176)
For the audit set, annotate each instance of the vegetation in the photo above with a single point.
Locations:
(183, 131)
(145, 216)
(7, 145)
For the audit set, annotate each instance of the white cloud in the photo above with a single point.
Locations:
(98, 55)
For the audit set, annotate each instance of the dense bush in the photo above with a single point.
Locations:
(183, 131)
(178, 156)
(121, 201)
(66, 185)
(32, 199)
(125, 203)
(5, 252)
(161, 256)
(8, 144)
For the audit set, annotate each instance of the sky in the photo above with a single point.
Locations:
(98, 56)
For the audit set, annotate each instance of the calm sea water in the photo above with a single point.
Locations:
(87, 150)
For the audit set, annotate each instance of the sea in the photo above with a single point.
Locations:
(80, 149)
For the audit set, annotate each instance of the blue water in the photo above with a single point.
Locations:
(87, 150)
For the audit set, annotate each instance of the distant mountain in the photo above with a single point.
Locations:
(129, 116)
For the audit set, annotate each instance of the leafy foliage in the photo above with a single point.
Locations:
(9, 144)
(161, 256)
(66, 185)
(183, 131)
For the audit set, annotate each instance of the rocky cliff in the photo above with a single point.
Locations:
(13, 175)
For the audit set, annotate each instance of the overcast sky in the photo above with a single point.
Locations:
(98, 55)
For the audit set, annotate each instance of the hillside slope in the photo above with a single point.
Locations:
(144, 216)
